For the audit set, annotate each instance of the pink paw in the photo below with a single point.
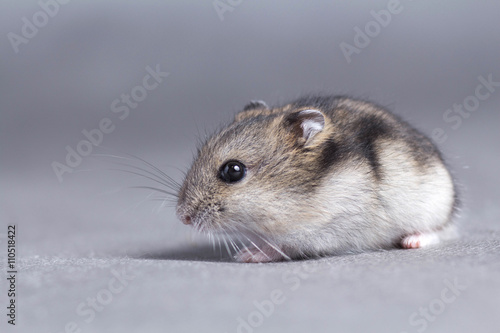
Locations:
(419, 240)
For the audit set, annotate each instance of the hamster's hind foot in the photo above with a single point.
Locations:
(418, 240)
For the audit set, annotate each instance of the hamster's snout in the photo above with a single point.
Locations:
(183, 215)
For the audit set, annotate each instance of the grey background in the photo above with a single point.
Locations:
(72, 236)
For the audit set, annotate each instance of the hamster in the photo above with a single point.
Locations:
(322, 175)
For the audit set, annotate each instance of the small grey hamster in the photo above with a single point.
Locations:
(318, 176)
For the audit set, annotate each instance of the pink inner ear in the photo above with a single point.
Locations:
(311, 122)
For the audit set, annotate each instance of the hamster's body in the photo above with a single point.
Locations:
(318, 176)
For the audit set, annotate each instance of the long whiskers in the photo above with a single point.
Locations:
(152, 176)
(150, 165)
(276, 248)
(161, 178)
(154, 189)
(230, 241)
(255, 245)
(138, 166)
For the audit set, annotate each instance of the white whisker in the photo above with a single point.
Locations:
(268, 243)
(255, 245)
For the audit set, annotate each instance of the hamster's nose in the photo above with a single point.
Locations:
(186, 219)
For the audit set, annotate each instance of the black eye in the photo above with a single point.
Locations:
(232, 171)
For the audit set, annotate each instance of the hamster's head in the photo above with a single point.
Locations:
(254, 175)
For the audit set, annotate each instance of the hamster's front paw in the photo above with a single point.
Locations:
(261, 254)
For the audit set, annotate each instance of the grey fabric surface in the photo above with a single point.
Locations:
(93, 238)
(375, 292)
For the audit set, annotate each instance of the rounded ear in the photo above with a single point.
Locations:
(256, 104)
(254, 108)
(306, 124)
